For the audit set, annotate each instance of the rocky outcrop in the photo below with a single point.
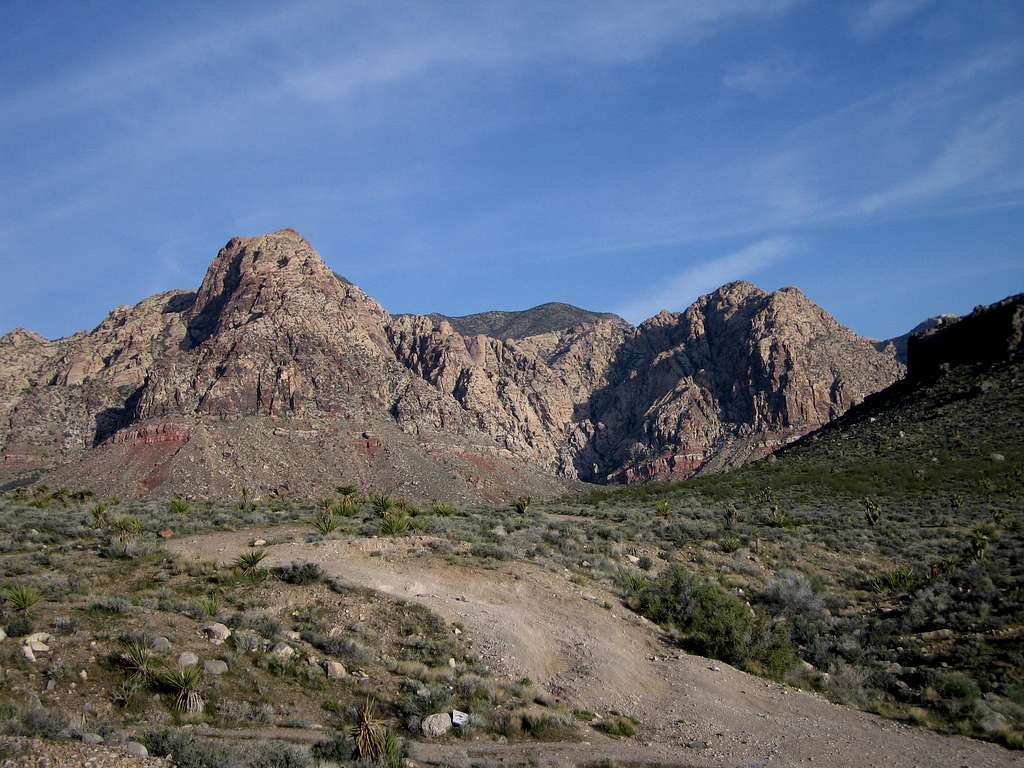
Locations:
(990, 334)
(280, 376)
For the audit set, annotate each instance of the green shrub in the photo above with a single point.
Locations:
(957, 686)
(185, 683)
(617, 726)
(324, 522)
(382, 503)
(712, 622)
(248, 563)
(178, 506)
(395, 524)
(442, 509)
(299, 573)
(521, 505)
(22, 597)
(729, 544)
(900, 579)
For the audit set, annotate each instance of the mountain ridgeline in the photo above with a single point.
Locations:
(281, 377)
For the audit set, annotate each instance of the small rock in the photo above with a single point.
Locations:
(283, 651)
(997, 457)
(451, 663)
(697, 745)
(423, 693)
(436, 725)
(38, 647)
(166, 533)
(38, 637)
(3, 635)
(51, 684)
(335, 670)
(135, 749)
(26, 652)
(216, 632)
(460, 719)
(215, 667)
(293, 636)
(161, 645)
(258, 543)
(83, 675)
(188, 659)
(92, 738)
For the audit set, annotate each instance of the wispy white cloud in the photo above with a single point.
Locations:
(879, 16)
(765, 78)
(980, 147)
(681, 289)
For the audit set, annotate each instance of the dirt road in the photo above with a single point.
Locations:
(586, 650)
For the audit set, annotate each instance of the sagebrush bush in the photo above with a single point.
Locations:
(299, 573)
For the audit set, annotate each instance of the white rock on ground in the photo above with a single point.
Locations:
(334, 670)
(283, 651)
(436, 725)
(216, 632)
(215, 667)
(135, 749)
(188, 659)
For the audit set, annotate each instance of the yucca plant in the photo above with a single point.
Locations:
(185, 683)
(325, 522)
(776, 517)
(208, 605)
(325, 504)
(346, 507)
(370, 734)
(98, 514)
(347, 490)
(137, 662)
(872, 512)
(248, 563)
(633, 581)
(126, 527)
(522, 504)
(662, 507)
(395, 524)
(22, 597)
(179, 505)
(382, 503)
(442, 509)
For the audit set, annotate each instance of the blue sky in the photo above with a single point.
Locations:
(462, 156)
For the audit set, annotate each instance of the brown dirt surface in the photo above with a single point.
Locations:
(36, 753)
(590, 653)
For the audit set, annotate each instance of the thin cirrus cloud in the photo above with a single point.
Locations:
(679, 290)
(877, 17)
(766, 78)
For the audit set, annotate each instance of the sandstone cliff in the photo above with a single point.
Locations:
(280, 376)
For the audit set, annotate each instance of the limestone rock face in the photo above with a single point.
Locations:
(282, 377)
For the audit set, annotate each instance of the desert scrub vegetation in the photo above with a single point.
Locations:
(712, 622)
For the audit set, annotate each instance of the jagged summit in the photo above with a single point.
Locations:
(280, 376)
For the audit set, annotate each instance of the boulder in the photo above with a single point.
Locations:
(92, 738)
(161, 645)
(334, 670)
(282, 651)
(188, 659)
(436, 725)
(135, 749)
(215, 667)
(216, 632)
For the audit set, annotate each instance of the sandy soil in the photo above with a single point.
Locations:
(589, 652)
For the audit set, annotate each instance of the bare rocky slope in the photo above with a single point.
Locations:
(280, 376)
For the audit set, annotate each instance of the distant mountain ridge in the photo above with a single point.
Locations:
(544, 318)
(281, 377)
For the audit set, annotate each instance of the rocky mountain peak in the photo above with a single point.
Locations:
(276, 356)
